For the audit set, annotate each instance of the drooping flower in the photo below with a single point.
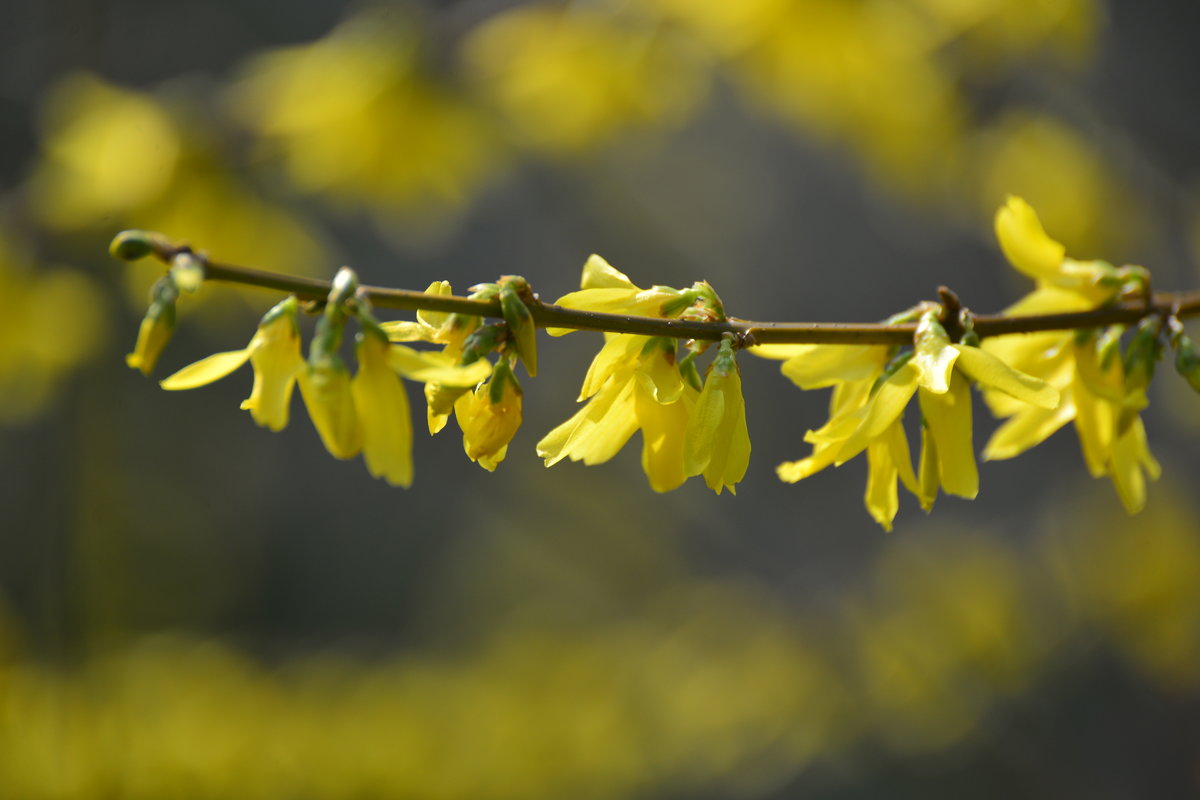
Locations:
(325, 387)
(633, 384)
(156, 328)
(1099, 395)
(450, 330)
(717, 444)
(273, 352)
(490, 416)
(1098, 400)
(869, 405)
(381, 405)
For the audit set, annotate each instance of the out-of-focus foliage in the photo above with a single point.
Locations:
(706, 685)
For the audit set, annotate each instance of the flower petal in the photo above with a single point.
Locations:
(206, 370)
(992, 373)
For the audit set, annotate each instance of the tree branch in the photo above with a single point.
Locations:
(1127, 312)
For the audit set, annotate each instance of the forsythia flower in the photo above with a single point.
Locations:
(381, 405)
(717, 444)
(325, 387)
(1098, 395)
(633, 384)
(868, 408)
(274, 353)
(437, 327)
(489, 417)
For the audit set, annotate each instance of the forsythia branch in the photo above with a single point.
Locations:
(545, 315)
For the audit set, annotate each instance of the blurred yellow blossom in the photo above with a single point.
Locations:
(359, 116)
(568, 80)
(53, 321)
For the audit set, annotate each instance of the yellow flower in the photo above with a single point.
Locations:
(273, 352)
(489, 417)
(868, 408)
(325, 387)
(1104, 410)
(437, 327)
(381, 406)
(633, 383)
(1098, 396)
(717, 444)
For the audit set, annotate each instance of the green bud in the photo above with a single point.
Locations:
(1187, 360)
(520, 322)
(483, 340)
(156, 328)
(132, 245)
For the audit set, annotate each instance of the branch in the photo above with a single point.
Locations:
(1127, 312)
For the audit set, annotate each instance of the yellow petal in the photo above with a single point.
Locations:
(823, 455)
(406, 331)
(434, 319)
(827, 365)
(326, 392)
(619, 352)
(599, 274)
(948, 417)
(1025, 429)
(881, 499)
(381, 405)
(934, 356)
(897, 444)
(659, 376)
(435, 367)
(597, 431)
(885, 407)
(1025, 243)
(206, 370)
(992, 373)
(702, 431)
(927, 473)
(664, 428)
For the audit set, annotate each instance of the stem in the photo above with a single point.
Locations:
(1180, 304)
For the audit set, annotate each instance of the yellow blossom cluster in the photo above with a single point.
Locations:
(696, 426)
(1039, 381)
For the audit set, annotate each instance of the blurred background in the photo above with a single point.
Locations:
(191, 606)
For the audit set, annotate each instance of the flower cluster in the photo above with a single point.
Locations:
(645, 376)
(636, 383)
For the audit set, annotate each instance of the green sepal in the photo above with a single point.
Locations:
(687, 369)
(502, 375)
(520, 323)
